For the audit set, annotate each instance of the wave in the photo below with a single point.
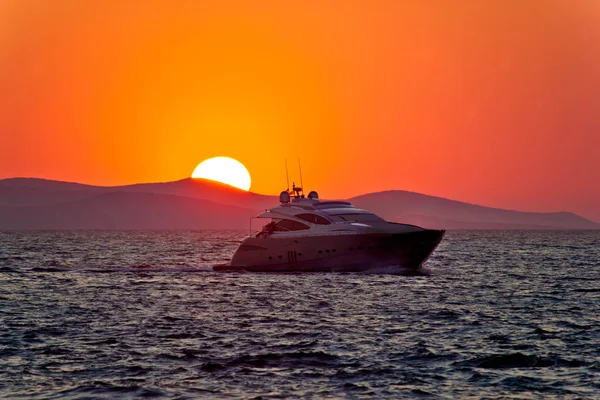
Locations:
(108, 391)
(128, 269)
(520, 360)
(292, 359)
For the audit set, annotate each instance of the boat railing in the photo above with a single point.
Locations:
(344, 233)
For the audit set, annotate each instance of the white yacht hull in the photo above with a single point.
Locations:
(335, 252)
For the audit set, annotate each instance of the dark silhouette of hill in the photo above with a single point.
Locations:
(437, 212)
(29, 203)
(128, 210)
(35, 191)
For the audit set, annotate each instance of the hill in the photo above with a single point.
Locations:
(437, 212)
(30, 203)
(35, 191)
(116, 210)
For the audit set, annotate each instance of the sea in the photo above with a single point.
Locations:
(141, 314)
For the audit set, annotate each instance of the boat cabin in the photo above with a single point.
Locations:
(299, 213)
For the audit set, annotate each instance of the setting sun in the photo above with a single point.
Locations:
(225, 170)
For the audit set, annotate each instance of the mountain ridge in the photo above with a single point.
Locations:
(440, 208)
(36, 203)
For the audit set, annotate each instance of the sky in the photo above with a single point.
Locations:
(491, 102)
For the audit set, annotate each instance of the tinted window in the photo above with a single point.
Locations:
(289, 225)
(365, 217)
(313, 219)
(333, 204)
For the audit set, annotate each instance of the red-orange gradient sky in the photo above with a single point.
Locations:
(490, 102)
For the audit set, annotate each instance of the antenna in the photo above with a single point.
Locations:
(300, 169)
(287, 178)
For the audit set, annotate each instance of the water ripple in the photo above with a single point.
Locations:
(141, 314)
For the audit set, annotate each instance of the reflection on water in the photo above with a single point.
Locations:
(140, 314)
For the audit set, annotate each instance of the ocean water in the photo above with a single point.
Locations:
(494, 314)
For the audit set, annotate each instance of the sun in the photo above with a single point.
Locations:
(225, 170)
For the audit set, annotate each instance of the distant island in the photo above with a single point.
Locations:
(32, 203)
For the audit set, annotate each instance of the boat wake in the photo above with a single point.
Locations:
(130, 269)
(397, 270)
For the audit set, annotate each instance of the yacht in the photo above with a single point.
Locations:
(309, 235)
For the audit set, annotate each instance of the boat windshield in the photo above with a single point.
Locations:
(286, 225)
(362, 217)
(313, 219)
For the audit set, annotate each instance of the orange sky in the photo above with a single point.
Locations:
(490, 102)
